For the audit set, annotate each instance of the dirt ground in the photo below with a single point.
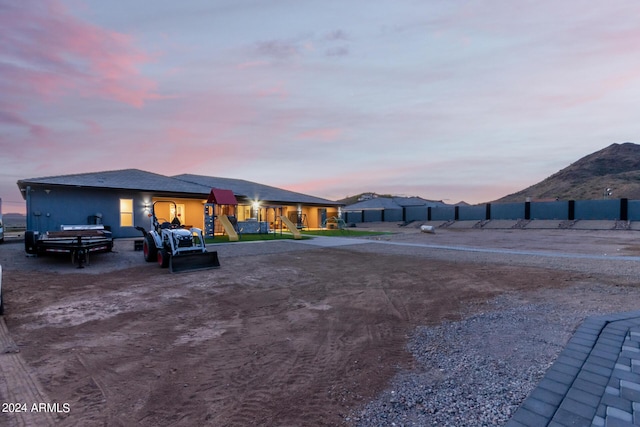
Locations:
(283, 334)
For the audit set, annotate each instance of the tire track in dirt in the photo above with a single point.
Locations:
(265, 384)
(102, 386)
(395, 307)
(299, 371)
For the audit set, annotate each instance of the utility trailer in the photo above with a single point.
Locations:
(76, 240)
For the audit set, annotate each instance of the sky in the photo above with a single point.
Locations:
(445, 99)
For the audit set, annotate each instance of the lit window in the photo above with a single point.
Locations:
(126, 212)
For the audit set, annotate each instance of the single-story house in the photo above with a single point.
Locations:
(122, 199)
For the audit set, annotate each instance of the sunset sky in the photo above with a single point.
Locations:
(444, 99)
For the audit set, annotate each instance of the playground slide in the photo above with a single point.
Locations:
(228, 228)
(292, 227)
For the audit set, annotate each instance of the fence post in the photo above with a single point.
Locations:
(624, 209)
(571, 215)
(487, 215)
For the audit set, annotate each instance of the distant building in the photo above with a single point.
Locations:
(379, 203)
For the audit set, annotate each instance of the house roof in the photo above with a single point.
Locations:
(127, 179)
(417, 201)
(254, 191)
(378, 203)
(135, 179)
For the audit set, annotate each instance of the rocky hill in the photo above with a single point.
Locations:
(616, 167)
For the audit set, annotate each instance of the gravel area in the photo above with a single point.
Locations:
(477, 371)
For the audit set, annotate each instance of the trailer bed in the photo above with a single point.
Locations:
(77, 241)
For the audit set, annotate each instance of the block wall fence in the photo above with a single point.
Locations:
(606, 209)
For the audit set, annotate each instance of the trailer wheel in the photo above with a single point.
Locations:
(149, 249)
(30, 242)
(163, 258)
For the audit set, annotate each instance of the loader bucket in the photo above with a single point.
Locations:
(193, 262)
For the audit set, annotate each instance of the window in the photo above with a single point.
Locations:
(126, 212)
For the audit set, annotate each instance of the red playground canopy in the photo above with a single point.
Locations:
(222, 197)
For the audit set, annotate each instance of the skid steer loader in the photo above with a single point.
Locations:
(172, 245)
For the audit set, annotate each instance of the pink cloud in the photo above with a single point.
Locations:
(598, 89)
(359, 178)
(93, 127)
(326, 135)
(51, 53)
(35, 131)
(277, 90)
(251, 64)
(180, 135)
(22, 83)
(315, 186)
